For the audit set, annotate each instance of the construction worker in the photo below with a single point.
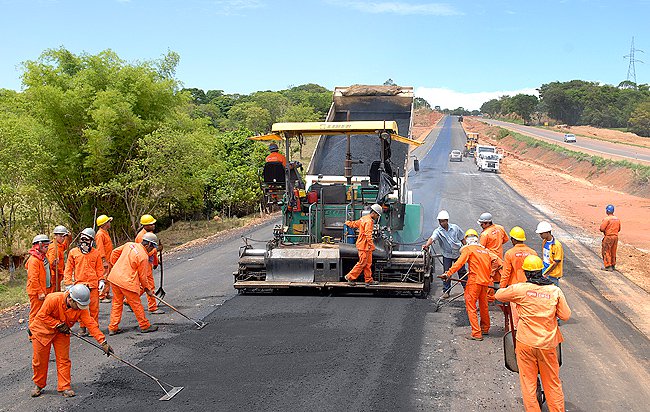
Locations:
(552, 253)
(105, 247)
(481, 263)
(451, 239)
(85, 267)
(56, 256)
(130, 275)
(513, 261)
(365, 245)
(39, 276)
(540, 303)
(492, 237)
(610, 227)
(275, 155)
(51, 327)
(148, 226)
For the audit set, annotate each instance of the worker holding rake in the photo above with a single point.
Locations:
(148, 226)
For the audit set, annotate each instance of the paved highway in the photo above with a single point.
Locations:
(292, 351)
(616, 150)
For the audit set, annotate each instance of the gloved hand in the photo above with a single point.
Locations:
(107, 348)
(445, 276)
(102, 285)
(63, 328)
(149, 292)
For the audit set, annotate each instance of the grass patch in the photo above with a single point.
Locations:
(12, 292)
(185, 231)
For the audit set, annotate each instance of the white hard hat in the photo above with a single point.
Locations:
(151, 238)
(40, 239)
(485, 217)
(80, 294)
(89, 232)
(543, 227)
(377, 209)
(443, 215)
(61, 230)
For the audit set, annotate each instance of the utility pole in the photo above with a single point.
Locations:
(631, 71)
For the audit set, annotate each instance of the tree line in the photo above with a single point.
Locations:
(94, 132)
(579, 102)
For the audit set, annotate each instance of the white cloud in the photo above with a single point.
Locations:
(396, 7)
(229, 7)
(451, 99)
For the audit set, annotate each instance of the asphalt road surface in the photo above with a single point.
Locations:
(621, 151)
(295, 352)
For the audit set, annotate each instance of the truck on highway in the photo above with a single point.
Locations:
(470, 145)
(487, 158)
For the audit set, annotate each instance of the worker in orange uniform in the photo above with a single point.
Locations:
(610, 227)
(365, 245)
(481, 263)
(51, 327)
(492, 237)
(148, 223)
(129, 275)
(513, 261)
(552, 252)
(540, 303)
(39, 276)
(105, 247)
(85, 267)
(275, 155)
(56, 256)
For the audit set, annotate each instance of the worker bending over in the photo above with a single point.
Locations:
(85, 267)
(540, 303)
(365, 245)
(56, 256)
(513, 261)
(481, 264)
(148, 226)
(610, 227)
(493, 237)
(51, 327)
(451, 239)
(39, 276)
(130, 275)
(552, 253)
(105, 247)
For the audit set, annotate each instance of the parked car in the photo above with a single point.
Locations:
(569, 138)
(455, 156)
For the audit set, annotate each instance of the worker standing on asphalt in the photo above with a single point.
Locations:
(493, 237)
(148, 226)
(513, 262)
(552, 253)
(51, 327)
(275, 155)
(481, 263)
(610, 227)
(365, 245)
(130, 275)
(451, 239)
(540, 303)
(105, 247)
(85, 267)
(56, 256)
(39, 276)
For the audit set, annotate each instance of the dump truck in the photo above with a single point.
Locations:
(360, 159)
(470, 145)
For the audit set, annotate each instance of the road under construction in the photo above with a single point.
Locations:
(309, 351)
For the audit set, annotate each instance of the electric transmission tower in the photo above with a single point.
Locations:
(631, 71)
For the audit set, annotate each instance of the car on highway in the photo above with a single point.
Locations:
(569, 138)
(455, 156)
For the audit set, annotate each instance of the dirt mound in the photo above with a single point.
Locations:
(363, 90)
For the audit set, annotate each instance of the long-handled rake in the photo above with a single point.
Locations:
(199, 324)
(161, 292)
(168, 393)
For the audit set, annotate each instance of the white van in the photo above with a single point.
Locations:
(569, 138)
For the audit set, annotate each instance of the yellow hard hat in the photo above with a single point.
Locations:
(103, 219)
(147, 220)
(471, 232)
(532, 263)
(518, 233)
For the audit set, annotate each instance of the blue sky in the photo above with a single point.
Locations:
(459, 53)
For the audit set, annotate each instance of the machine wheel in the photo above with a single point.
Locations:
(426, 289)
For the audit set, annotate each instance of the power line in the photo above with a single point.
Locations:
(631, 70)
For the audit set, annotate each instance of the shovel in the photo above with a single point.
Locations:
(168, 393)
(161, 292)
(199, 324)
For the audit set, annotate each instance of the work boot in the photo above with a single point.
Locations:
(83, 331)
(112, 332)
(37, 391)
(151, 328)
(372, 283)
(612, 268)
(157, 312)
(350, 281)
(67, 393)
(470, 337)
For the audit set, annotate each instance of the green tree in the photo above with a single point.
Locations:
(639, 122)
(491, 107)
(420, 103)
(249, 116)
(524, 105)
(299, 114)
(273, 102)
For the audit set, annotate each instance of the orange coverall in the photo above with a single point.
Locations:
(276, 157)
(481, 262)
(153, 261)
(105, 247)
(513, 261)
(87, 270)
(494, 237)
(55, 310)
(128, 277)
(57, 272)
(610, 227)
(537, 337)
(36, 282)
(365, 246)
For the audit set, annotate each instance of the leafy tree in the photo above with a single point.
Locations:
(299, 114)
(273, 102)
(523, 105)
(198, 95)
(389, 82)
(491, 107)
(420, 103)
(250, 116)
(639, 122)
